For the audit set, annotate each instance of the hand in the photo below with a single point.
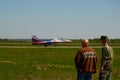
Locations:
(102, 70)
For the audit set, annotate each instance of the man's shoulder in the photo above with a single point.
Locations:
(107, 47)
(87, 49)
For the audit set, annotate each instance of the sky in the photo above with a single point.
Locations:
(72, 19)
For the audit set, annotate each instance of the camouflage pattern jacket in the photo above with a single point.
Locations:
(107, 55)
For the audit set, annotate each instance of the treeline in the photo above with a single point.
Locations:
(14, 40)
(96, 40)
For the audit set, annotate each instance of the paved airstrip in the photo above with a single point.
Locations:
(52, 47)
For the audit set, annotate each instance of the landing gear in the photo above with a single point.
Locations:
(45, 45)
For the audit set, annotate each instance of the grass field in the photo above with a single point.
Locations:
(45, 63)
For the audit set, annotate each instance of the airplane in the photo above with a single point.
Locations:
(37, 41)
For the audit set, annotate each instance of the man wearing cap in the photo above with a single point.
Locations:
(106, 60)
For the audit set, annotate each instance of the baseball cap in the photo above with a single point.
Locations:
(104, 38)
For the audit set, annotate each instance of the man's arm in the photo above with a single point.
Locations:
(77, 59)
(102, 65)
(104, 57)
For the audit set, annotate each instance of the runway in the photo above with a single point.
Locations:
(52, 47)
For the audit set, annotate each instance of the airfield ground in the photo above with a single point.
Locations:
(36, 62)
(52, 47)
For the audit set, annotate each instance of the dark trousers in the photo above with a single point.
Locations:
(84, 76)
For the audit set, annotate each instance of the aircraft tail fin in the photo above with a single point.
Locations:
(35, 40)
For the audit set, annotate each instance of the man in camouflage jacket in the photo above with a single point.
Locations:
(106, 60)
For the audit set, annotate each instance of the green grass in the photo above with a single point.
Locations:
(45, 64)
(59, 44)
(37, 63)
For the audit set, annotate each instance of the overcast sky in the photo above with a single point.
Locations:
(73, 19)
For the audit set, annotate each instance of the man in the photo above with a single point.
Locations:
(85, 61)
(106, 60)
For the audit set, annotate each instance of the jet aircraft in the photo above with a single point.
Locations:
(37, 41)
